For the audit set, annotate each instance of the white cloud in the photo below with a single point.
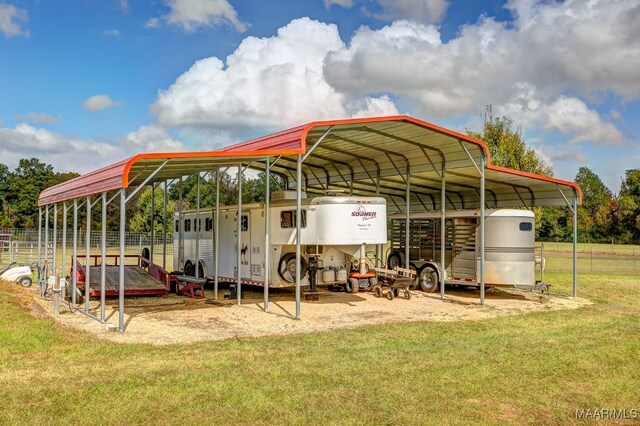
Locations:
(26, 141)
(112, 33)
(563, 53)
(99, 102)
(39, 117)
(152, 23)
(190, 15)
(11, 19)
(124, 5)
(152, 138)
(425, 11)
(267, 83)
(344, 3)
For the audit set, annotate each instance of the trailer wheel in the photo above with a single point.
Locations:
(144, 256)
(352, 286)
(25, 282)
(287, 267)
(189, 269)
(390, 294)
(395, 260)
(428, 279)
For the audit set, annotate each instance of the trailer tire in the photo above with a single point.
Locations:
(189, 269)
(395, 259)
(428, 279)
(287, 267)
(144, 256)
(352, 286)
(390, 294)
(25, 282)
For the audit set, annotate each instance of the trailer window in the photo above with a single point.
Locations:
(526, 226)
(187, 225)
(208, 224)
(244, 223)
(288, 219)
(177, 225)
(197, 225)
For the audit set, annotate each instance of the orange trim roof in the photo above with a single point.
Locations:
(286, 142)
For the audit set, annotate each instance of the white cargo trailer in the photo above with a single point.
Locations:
(510, 253)
(334, 234)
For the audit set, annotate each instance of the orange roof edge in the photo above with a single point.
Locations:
(574, 185)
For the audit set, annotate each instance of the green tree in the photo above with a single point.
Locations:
(141, 219)
(509, 149)
(507, 146)
(595, 215)
(629, 206)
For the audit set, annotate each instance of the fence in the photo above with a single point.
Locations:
(593, 258)
(21, 245)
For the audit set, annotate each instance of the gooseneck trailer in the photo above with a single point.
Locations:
(336, 231)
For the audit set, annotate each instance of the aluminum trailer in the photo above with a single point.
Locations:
(334, 235)
(510, 257)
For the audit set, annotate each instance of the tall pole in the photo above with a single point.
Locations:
(74, 261)
(46, 249)
(55, 240)
(87, 258)
(39, 239)
(64, 248)
(443, 231)
(180, 228)
(123, 216)
(239, 246)
(407, 220)
(267, 242)
(298, 230)
(196, 227)
(575, 244)
(103, 261)
(164, 227)
(482, 196)
(216, 235)
(153, 211)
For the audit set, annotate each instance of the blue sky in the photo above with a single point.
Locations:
(86, 83)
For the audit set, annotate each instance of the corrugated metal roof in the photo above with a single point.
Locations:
(366, 156)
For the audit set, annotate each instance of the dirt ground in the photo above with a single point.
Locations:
(174, 319)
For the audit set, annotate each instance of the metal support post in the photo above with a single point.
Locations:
(216, 236)
(87, 269)
(267, 242)
(443, 230)
(407, 220)
(103, 261)
(482, 220)
(575, 244)
(55, 239)
(298, 230)
(164, 227)
(39, 240)
(123, 216)
(153, 219)
(180, 229)
(74, 260)
(239, 230)
(196, 227)
(64, 249)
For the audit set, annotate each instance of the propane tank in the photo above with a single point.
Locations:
(341, 275)
(329, 275)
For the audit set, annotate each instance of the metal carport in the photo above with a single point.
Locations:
(414, 164)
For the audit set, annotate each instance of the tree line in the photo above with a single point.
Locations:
(603, 216)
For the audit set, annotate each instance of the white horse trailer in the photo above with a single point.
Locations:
(334, 232)
(510, 258)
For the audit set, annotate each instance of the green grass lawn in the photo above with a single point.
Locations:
(532, 369)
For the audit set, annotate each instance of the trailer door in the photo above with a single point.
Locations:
(245, 247)
(257, 244)
(464, 248)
